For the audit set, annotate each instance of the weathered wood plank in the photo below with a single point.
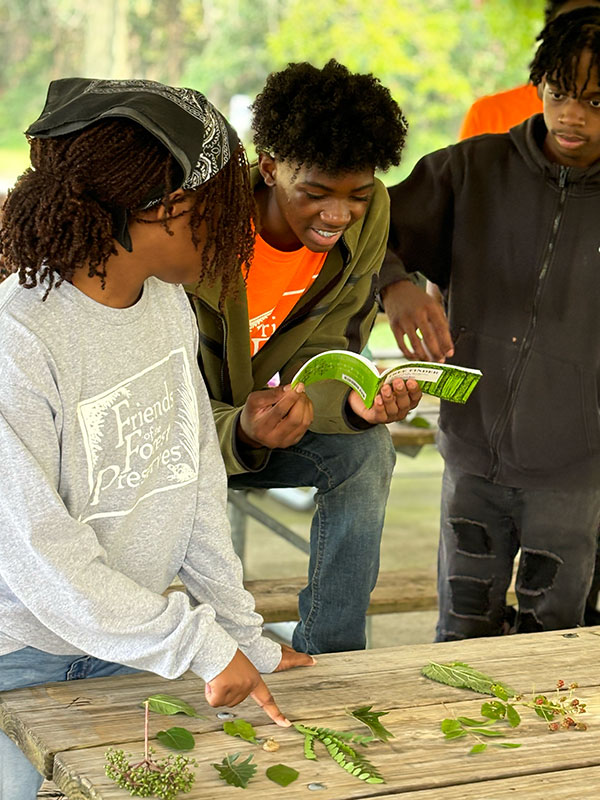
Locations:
(397, 591)
(48, 791)
(79, 714)
(417, 759)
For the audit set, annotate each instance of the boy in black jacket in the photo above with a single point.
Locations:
(507, 224)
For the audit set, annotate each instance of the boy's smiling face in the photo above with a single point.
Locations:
(304, 206)
(573, 117)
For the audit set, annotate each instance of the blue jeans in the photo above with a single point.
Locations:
(19, 780)
(483, 526)
(352, 475)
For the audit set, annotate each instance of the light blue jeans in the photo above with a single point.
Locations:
(19, 780)
(483, 527)
(352, 475)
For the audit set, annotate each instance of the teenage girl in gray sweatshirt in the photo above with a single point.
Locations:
(112, 481)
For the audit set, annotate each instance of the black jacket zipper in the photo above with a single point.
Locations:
(499, 427)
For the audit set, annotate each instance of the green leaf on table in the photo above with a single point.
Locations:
(309, 748)
(544, 713)
(485, 732)
(462, 676)
(166, 704)
(241, 728)
(371, 720)
(448, 725)
(456, 734)
(512, 715)
(176, 739)
(471, 723)
(236, 774)
(281, 774)
(493, 710)
(478, 748)
(340, 746)
(499, 691)
(505, 744)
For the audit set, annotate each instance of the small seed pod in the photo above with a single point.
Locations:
(270, 745)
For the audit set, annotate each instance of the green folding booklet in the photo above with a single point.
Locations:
(446, 381)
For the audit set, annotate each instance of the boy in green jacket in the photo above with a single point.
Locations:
(311, 286)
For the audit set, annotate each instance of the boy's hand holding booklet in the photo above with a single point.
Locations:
(446, 381)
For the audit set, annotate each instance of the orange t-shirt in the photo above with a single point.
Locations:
(496, 113)
(276, 281)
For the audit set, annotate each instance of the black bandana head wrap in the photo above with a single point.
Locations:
(188, 125)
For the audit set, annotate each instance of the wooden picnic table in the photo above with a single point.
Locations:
(66, 728)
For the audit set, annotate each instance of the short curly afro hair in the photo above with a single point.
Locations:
(328, 118)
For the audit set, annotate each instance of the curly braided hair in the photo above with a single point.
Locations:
(328, 118)
(58, 217)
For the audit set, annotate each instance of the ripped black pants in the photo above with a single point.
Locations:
(483, 528)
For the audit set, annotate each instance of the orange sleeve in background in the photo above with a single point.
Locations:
(496, 113)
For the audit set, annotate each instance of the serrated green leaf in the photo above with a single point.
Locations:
(176, 739)
(241, 728)
(371, 720)
(236, 774)
(478, 748)
(462, 676)
(448, 725)
(505, 744)
(168, 705)
(281, 774)
(512, 715)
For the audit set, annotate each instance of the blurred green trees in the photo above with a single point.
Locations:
(435, 56)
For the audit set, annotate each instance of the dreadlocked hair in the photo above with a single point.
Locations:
(328, 118)
(58, 217)
(554, 6)
(225, 205)
(562, 43)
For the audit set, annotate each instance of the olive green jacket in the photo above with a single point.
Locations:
(336, 313)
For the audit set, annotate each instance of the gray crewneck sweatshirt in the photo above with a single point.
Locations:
(111, 485)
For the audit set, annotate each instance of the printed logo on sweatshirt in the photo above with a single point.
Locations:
(140, 437)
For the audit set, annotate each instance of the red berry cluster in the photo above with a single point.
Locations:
(565, 706)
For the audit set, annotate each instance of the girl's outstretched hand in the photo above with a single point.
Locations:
(291, 658)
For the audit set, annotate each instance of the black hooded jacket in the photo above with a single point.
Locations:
(515, 240)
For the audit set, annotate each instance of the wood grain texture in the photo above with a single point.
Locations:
(396, 591)
(90, 715)
(418, 759)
